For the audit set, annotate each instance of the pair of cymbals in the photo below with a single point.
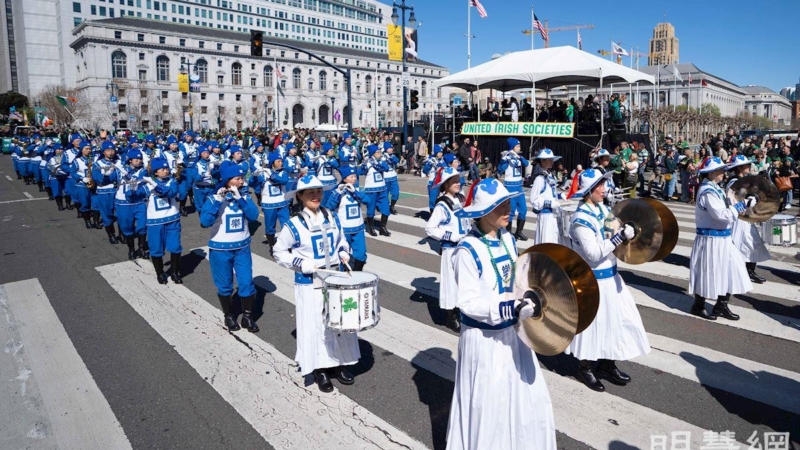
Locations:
(767, 194)
(568, 293)
(655, 225)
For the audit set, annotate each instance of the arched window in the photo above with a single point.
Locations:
(202, 70)
(162, 68)
(368, 81)
(268, 76)
(388, 86)
(424, 90)
(323, 81)
(296, 79)
(236, 74)
(119, 65)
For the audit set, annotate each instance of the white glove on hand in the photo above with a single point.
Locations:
(750, 201)
(86, 179)
(222, 191)
(341, 188)
(307, 267)
(344, 257)
(528, 309)
(235, 191)
(627, 232)
(258, 172)
(350, 187)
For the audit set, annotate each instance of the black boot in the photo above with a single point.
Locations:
(158, 264)
(68, 201)
(175, 268)
(369, 227)
(96, 221)
(49, 191)
(323, 380)
(183, 208)
(344, 376)
(587, 377)
(60, 203)
(78, 209)
(19, 176)
(384, 221)
(520, 227)
(86, 219)
(40, 184)
(608, 369)
(699, 308)
(247, 322)
(110, 232)
(751, 271)
(391, 207)
(454, 320)
(271, 242)
(144, 249)
(120, 236)
(258, 198)
(230, 319)
(508, 227)
(721, 308)
(131, 249)
(358, 266)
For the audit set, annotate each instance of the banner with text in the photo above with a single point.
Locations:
(395, 35)
(519, 129)
(183, 83)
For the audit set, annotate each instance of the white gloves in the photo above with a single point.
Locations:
(222, 191)
(86, 179)
(628, 232)
(750, 201)
(527, 309)
(235, 191)
(307, 267)
(350, 187)
(108, 170)
(258, 172)
(344, 257)
(341, 188)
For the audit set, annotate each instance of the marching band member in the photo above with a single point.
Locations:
(348, 155)
(430, 168)
(237, 157)
(59, 172)
(601, 162)
(216, 155)
(105, 173)
(149, 150)
(163, 219)
(717, 268)
(35, 162)
(375, 190)
(23, 162)
(346, 202)
(445, 227)
(258, 159)
(310, 240)
(204, 180)
(15, 152)
(228, 213)
(175, 158)
(80, 172)
(76, 142)
(46, 153)
(132, 208)
(190, 154)
(745, 235)
(326, 164)
(390, 177)
(617, 332)
(291, 166)
(273, 202)
(282, 147)
(310, 157)
(544, 198)
(514, 164)
(500, 399)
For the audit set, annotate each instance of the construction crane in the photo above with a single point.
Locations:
(556, 29)
(606, 53)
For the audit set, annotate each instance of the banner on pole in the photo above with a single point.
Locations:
(183, 83)
(519, 129)
(395, 35)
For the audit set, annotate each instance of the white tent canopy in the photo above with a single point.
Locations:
(546, 68)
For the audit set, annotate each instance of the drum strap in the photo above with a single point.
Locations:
(326, 226)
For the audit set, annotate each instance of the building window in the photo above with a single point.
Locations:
(76, 7)
(119, 65)
(202, 96)
(220, 79)
(296, 78)
(238, 97)
(236, 73)
(162, 68)
(201, 44)
(219, 46)
(253, 82)
(142, 75)
(162, 40)
(201, 67)
(143, 93)
(141, 56)
(424, 90)
(164, 95)
(368, 80)
(118, 35)
(268, 76)
(238, 110)
(140, 37)
(323, 81)
(222, 97)
(121, 92)
(388, 86)
(182, 42)
(203, 109)
(76, 21)
(144, 109)
(236, 48)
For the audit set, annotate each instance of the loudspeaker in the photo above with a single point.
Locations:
(587, 129)
(617, 136)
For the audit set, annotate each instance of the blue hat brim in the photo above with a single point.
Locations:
(471, 212)
(581, 193)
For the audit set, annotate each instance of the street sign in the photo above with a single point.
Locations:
(406, 79)
(457, 100)
(113, 99)
(194, 82)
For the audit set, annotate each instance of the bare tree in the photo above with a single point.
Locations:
(75, 113)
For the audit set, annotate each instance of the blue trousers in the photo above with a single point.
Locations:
(519, 207)
(44, 174)
(83, 196)
(669, 188)
(433, 194)
(132, 219)
(58, 186)
(358, 245)
(105, 204)
(166, 236)
(224, 263)
(200, 195)
(69, 188)
(37, 174)
(16, 165)
(274, 215)
(394, 189)
(23, 168)
(379, 200)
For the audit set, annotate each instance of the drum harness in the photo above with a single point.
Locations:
(324, 227)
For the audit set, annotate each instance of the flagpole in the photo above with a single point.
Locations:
(375, 86)
(533, 88)
(675, 84)
(532, 36)
(469, 34)
(277, 97)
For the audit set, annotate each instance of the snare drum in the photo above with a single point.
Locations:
(564, 220)
(351, 302)
(781, 229)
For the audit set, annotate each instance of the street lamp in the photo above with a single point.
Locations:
(412, 22)
(266, 123)
(185, 65)
(333, 110)
(114, 88)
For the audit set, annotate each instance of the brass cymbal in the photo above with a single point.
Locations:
(649, 234)
(569, 296)
(768, 196)
(669, 225)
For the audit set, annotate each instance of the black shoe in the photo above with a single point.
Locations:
(383, 231)
(230, 320)
(520, 227)
(144, 250)
(699, 309)
(721, 308)
(586, 376)
(391, 207)
(344, 376)
(323, 381)
(754, 277)
(86, 219)
(369, 227)
(60, 203)
(175, 268)
(271, 241)
(454, 320)
(608, 369)
(158, 265)
(96, 219)
(247, 322)
(78, 210)
(111, 238)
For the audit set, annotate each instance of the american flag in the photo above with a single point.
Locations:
(278, 72)
(481, 10)
(537, 25)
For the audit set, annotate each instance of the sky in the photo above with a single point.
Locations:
(742, 41)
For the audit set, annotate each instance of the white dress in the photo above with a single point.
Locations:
(746, 237)
(617, 332)
(501, 399)
(300, 248)
(716, 267)
(448, 229)
(543, 194)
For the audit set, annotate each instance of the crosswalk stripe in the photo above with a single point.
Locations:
(53, 402)
(586, 420)
(255, 378)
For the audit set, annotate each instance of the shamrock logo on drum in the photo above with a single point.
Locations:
(349, 304)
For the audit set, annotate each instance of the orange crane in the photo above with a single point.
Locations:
(606, 53)
(556, 29)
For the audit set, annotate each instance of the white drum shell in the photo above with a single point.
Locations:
(781, 230)
(351, 302)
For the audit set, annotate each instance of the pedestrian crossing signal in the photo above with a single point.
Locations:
(414, 99)
(256, 43)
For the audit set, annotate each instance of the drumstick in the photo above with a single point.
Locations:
(349, 269)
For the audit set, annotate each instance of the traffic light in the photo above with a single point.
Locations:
(414, 99)
(256, 43)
